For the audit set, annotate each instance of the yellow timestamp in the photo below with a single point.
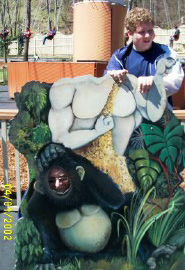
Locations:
(8, 218)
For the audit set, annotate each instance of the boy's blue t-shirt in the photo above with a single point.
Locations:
(141, 63)
(144, 63)
(137, 63)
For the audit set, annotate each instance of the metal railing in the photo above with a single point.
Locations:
(3, 74)
(5, 116)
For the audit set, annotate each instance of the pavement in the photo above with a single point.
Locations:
(7, 257)
(5, 101)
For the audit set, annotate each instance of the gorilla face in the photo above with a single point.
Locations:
(62, 187)
(59, 180)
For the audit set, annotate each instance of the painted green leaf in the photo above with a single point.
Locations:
(174, 122)
(26, 237)
(140, 153)
(40, 134)
(24, 253)
(146, 170)
(155, 165)
(142, 172)
(176, 141)
(155, 147)
(29, 230)
(147, 182)
(167, 143)
(142, 162)
(174, 152)
(31, 249)
(154, 138)
(177, 130)
(152, 130)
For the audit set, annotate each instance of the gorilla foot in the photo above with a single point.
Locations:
(47, 266)
(163, 250)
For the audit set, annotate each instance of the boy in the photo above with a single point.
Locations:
(141, 55)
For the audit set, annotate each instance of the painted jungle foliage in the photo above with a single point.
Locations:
(90, 208)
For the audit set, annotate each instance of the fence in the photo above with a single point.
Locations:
(5, 116)
(60, 46)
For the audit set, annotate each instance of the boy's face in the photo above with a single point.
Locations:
(143, 36)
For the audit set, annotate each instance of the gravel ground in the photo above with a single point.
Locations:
(7, 103)
(11, 168)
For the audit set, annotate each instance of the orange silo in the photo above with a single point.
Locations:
(98, 29)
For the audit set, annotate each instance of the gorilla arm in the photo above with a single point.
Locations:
(101, 186)
(61, 122)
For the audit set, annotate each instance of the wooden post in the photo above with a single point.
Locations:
(18, 182)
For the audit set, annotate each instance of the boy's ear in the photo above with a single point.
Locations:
(129, 33)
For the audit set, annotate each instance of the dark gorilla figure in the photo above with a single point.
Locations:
(71, 206)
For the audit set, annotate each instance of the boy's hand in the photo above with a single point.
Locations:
(144, 83)
(118, 75)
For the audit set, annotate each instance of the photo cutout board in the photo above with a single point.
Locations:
(106, 175)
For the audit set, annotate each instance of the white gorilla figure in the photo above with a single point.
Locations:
(75, 117)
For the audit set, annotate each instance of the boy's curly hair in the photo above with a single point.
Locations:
(136, 16)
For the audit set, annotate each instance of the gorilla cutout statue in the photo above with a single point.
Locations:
(71, 205)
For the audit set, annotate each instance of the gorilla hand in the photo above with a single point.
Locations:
(50, 152)
(104, 124)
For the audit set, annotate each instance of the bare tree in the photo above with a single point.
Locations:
(179, 10)
(5, 46)
(130, 2)
(9, 18)
(56, 14)
(48, 12)
(17, 13)
(28, 22)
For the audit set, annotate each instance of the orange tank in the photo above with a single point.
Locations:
(98, 29)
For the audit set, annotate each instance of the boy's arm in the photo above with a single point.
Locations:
(114, 63)
(115, 68)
